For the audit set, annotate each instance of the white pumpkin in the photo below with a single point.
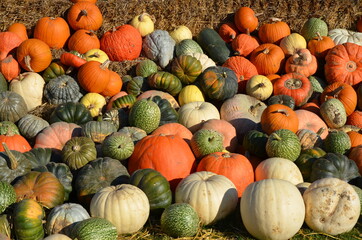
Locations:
(279, 168)
(332, 206)
(204, 60)
(272, 209)
(180, 33)
(340, 36)
(124, 205)
(192, 114)
(57, 236)
(213, 196)
(291, 43)
(30, 86)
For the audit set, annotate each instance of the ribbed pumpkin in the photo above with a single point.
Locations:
(54, 70)
(268, 58)
(319, 46)
(165, 81)
(94, 76)
(71, 112)
(122, 43)
(54, 31)
(114, 85)
(187, 68)
(84, 15)
(355, 119)
(12, 106)
(245, 19)
(228, 31)
(292, 43)
(174, 129)
(78, 151)
(244, 44)
(273, 32)
(311, 121)
(83, 40)
(98, 130)
(14, 142)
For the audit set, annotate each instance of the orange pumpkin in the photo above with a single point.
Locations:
(83, 40)
(355, 137)
(268, 58)
(343, 64)
(312, 107)
(114, 85)
(273, 32)
(320, 45)
(234, 166)
(94, 76)
(244, 44)
(246, 20)
(84, 15)
(19, 29)
(174, 129)
(9, 41)
(34, 55)
(311, 121)
(356, 155)
(343, 92)
(273, 77)
(279, 116)
(14, 142)
(355, 119)
(53, 31)
(295, 85)
(10, 68)
(302, 61)
(91, 1)
(228, 31)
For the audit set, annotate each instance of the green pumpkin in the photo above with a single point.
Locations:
(312, 26)
(137, 85)
(165, 81)
(3, 83)
(98, 130)
(93, 229)
(41, 156)
(282, 99)
(7, 195)
(118, 117)
(97, 174)
(12, 106)
(71, 112)
(118, 146)
(283, 143)
(337, 142)
(52, 71)
(218, 83)
(306, 160)
(30, 125)
(62, 172)
(78, 151)
(8, 128)
(187, 68)
(255, 142)
(126, 101)
(134, 133)
(62, 89)
(154, 185)
(145, 114)
(168, 113)
(28, 220)
(187, 47)
(334, 165)
(146, 67)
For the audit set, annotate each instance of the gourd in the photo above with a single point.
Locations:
(312, 27)
(204, 60)
(165, 81)
(186, 68)
(94, 102)
(283, 143)
(62, 89)
(119, 146)
(333, 113)
(93, 227)
(8, 195)
(180, 33)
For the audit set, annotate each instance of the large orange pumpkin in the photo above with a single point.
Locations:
(174, 129)
(94, 76)
(268, 58)
(170, 155)
(245, 19)
(83, 40)
(84, 15)
(53, 31)
(274, 31)
(234, 166)
(343, 64)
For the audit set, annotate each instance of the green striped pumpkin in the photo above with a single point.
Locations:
(186, 68)
(165, 81)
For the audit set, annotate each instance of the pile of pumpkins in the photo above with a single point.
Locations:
(249, 113)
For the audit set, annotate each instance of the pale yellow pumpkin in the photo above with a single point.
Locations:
(291, 43)
(190, 93)
(144, 23)
(30, 86)
(96, 55)
(180, 33)
(94, 103)
(260, 87)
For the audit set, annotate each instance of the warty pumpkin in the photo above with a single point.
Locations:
(84, 15)
(268, 58)
(8, 42)
(54, 31)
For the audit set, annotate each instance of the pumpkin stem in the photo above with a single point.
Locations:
(105, 64)
(319, 36)
(13, 164)
(334, 93)
(320, 131)
(275, 19)
(100, 116)
(258, 14)
(114, 29)
(266, 51)
(260, 85)
(142, 16)
(90, 33)
(276, 136)
(27, 60)
(248, 31)
(253, 108)
(225, 155)
(283, 111)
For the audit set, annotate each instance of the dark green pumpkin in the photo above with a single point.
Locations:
(254, 142)
(98, 130)
(165, 81)
(12, 106)
(218, 83)
(282, 99)
(334, 165)
(28, 220)
(52, 71)
(62, 89)
(3, 83)
(306, 160)
(187, 68)
(78, 151)
(146, 67)
(137, 85)
(126, 101)
(154, 185)
(41, 156)
(62, 172)
(213, 45)
(119, 146)
(30, 125)
(97, 174)
(71, 112)
(168, 113)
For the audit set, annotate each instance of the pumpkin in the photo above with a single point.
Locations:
(168, 113)
(319, 46)
(28, 220)
(12, 107)
(355, 119)
(312, 27)
(342, 64)
(333, 113)
(119, 146)
(94, 102)
(162, 94)
(180, 33)
(43, 187)
(83, 40)
(309, 139)
(228, 31)
(72, 59)
(187, 47)
(135, 133)
(234, 166)
(261, 213)
(98, 174)
(218, 83)
(96, 54)
(319, 215)
(8, 128)
(122, 43)
(19, 29)
(337, 141)
(94, 227)
(165, 81)
(278, 168)
(54, 31)
(9, 68)
(190, 93)
(34, 55)
(71, 112)
(244, 44)
(206, 141)
(282, 99)
(245, 19)
(124, 102)
(292, 43)
(158, 152)
(145, 68)
(254, 143)
(268, 58)
(302, 61)
(144, 23)
(279, 116)
(137, 85)
(62, 217)
(8, 197)
(40, 157)
(94, 76)
(9, 42)
(204, 60)
(159, 47)
(30, 86)
(15, 142)
(355, 137)
(283, 143)
(174, 129)
(343, 92)
(341, 36)
(62, 89)
(132, 204)
(210, 209)
(259, 87)
(355, 155)
(306, 159)
(98, 130)
(186, 68)
(84, 15)
(273, 32)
